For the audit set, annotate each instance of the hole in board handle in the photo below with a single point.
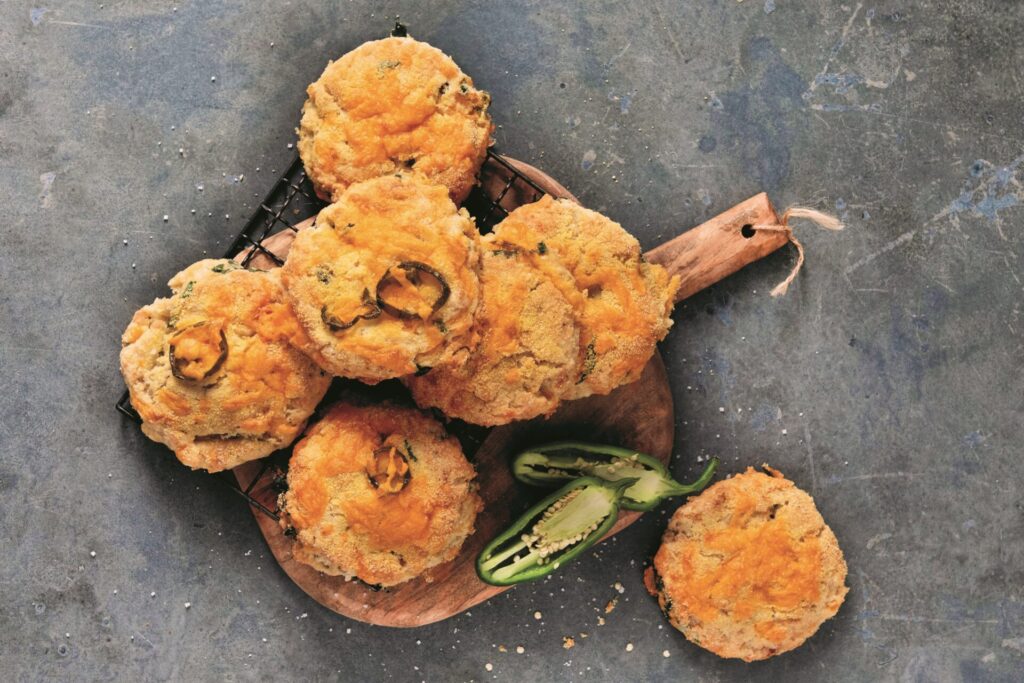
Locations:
(748, 231)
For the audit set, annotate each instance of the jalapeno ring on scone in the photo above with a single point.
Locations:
(386, 281)
(215, 372)
(380, 493)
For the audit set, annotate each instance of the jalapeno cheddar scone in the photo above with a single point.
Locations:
(215, 371)
(525, 360)
(386, 282)
(394, 105)
(626, 303)
(380, 493)
(749, 569)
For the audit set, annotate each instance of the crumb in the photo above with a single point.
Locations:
(600, 621)
(584, 634)
(489, 666)
(537, 615)
(610, 607)
(666, 653)
(502, 648)
(92, 553)
(188, 605)
(629, 647)
(568, 643)
(619, 587)
(520, 649)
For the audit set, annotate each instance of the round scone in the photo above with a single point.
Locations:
(380, 493)
(749, 569)
(526, 356)
(215, 371)
(627, 304)
(394, 105)
(386, 282)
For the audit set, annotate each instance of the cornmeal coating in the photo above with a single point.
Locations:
(626, 303)
(526, 356)
(215, 371)
(749, 569)
(380, 493)
(394, 105)
(386, 282)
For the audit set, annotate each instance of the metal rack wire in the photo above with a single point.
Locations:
(291, 200)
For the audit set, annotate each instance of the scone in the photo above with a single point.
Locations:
(215, 371)
(749, 569)
(394, 105)
(386, 282)
(526, 356)
(380, 493)
(627, 302)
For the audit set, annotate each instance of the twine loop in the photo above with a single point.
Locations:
(822, 220)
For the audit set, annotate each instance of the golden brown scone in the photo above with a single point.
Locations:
(386, 282)
(380, 493)
(526, 357)
(749, 569)
(394, 105)
(215, 371)
(626, 304)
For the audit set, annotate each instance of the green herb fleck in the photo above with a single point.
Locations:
(463, 87)
(187, 292)
(324, 274)
(589, 361)
(542, 248)
(439, 324)
(387, 65)
(226, 267)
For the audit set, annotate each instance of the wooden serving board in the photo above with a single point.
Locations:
(701, 257)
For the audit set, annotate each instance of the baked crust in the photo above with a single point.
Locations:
(394, 105)
(345, 526)
(623, 304)
(749, 569)
(525, 360)
(236, 400)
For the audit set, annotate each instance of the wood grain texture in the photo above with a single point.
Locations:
(701, 257)
(716, 249)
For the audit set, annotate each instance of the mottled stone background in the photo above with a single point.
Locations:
(888, 383)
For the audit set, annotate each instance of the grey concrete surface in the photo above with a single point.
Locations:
(888, 383)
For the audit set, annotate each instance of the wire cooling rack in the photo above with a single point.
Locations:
(290, 201)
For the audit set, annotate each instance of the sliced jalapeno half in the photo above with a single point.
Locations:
(197, 352)
(552, 532)
(553, 464)
(415, 273)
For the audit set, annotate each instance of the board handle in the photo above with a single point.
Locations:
(721, 246)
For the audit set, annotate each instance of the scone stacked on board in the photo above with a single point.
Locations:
(216, 372)
(379, 493)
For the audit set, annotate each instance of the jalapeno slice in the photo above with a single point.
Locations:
(415, 273)
(555, 463)
(369, 312)
(389, 471)
(552, 532)
(197, 352)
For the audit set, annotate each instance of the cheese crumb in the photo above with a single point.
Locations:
(520, 649)
(629, 647)
(538, 616)
(489, 666)
(666, 653)
(568, 643)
